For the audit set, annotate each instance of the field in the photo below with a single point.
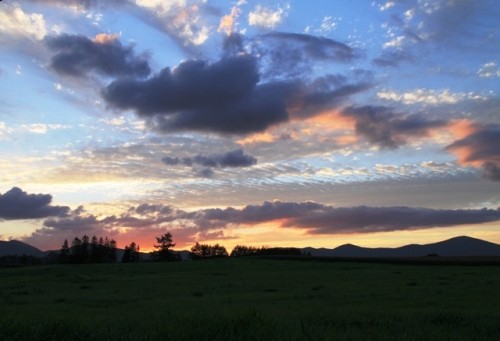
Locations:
(250, 299)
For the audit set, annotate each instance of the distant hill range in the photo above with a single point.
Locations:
(17, 248)
(455, 247)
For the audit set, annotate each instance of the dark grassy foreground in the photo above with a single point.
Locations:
(250, 299)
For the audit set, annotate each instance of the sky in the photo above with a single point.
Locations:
(278, 123)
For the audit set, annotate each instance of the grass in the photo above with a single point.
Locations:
(250, 299)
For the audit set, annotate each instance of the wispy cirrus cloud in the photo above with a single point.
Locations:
(428, 96)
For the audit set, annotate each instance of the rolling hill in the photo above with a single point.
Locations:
(17, 248)
(462, 246)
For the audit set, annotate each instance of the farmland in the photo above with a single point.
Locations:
(250, 299)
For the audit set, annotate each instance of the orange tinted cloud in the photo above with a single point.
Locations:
(462, 128)
(480, 149)
(228, 22)
(104, 38)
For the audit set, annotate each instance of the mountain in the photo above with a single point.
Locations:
(455, 247)
(17, 248)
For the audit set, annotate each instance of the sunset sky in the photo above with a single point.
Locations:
(279, 123)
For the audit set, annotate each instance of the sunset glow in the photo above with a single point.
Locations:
(286, 123)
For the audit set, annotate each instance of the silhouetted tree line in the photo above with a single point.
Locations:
(104, 250)
(86, 250)
(203, 251)
(241, 250)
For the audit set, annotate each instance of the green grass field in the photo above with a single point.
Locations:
(250, 299)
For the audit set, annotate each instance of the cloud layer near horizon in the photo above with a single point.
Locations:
(311, 217)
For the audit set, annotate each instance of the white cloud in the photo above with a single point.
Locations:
(41, 128)
(161, 7)
(396, 42)
(15, 22)
(4, 130)
(180, 19)
(266, 17)
(387, 5)
(489, 70)
(425, 96)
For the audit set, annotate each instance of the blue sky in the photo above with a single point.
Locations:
(287, 123)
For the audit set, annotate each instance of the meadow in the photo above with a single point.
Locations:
(250, 299)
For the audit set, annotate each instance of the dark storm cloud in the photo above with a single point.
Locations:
(77, 55)
(224, 97)
(233, 159)
(323, 219)
(481, 146)
(383, 127)
(191, 85)
(17, 204)
(264, 106)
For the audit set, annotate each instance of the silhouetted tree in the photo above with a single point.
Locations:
(165, 243)
(85, 248)
(131, 253)
(94, 251)
(64, 253)
(77, 255)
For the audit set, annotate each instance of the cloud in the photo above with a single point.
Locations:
(323, 219)
(141, 223)
(197, 95)
(320, 48)
(15, 23)
(232, 159)
(466, 25)
(17, 204)
(228, 22)
(265, 17)
(294, 55)
(183, 20)
(392, 58)
(480, 149)
(428, 96)
(387, 129)
(82, 5)
(42, 128)
(77, 55)
(489, 70)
